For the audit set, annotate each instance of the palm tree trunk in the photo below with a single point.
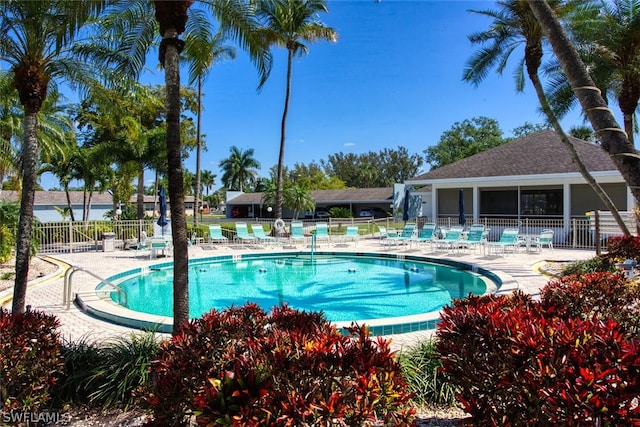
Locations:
(542, 98)
(68, 196)
(25, 223)
(140, 195)
(196, 190)
(283, 128)
(614, 140)
(176, 188)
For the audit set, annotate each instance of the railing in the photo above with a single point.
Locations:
(81, 236)
(78, 236)
(68, 275)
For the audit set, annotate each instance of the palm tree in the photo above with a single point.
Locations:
(35, 41)
(289, 23)
(207, 180)
(613, 139)
(202, 55)
(9, 125)
(131, 23)
(515, 24)
(62, 165)
(239, 169)
(299, 199)
(607, 34)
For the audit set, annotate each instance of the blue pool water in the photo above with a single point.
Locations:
(345, 288)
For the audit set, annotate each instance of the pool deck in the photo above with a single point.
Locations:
(519, 270)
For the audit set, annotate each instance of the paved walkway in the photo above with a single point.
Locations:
(516, 270)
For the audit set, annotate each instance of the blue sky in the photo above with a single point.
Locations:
(394, 78)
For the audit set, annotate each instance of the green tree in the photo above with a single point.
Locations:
(613, 139)
(35, 41)
(9, 125)
(9, 217)
(397, 165)
(515, 24)
(207, 180)
(313, 177)
(134, 33)
(289, 23)
(583, 132)
(527, 129)
(607, 34)
(465, 139)
(62, 166)
(298, 198)
(239, 169)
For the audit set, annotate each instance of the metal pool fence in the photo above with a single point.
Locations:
(107, 235)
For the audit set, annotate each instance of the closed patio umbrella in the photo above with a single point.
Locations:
(405, 207)
(461, 219)
(162, 200)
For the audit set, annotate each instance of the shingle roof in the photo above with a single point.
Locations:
(50, 198)
(328, 196)
(535, 154)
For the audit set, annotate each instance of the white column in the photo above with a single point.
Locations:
(476, 204)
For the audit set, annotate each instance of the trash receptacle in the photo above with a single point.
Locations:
(108, 242)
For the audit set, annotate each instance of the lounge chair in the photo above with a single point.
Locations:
(544, 239)
(322, 232)
(352, 234)
(141, 244)
(297, 232)
(259, 233)
(476, 237)
(215, 234)
(157, 244)
(508, 240)
(406, 235)
(426, 234)
(452, 239)
(383, 235)
(243, 235)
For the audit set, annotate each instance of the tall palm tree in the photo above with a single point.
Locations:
(172, 17)
(201, 56)
(239, 169)
(132, 24)
(515, 24)
(35, 41)
(613, 139)
(289, 23)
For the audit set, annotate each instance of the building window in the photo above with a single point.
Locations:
(541, 202)
(502, 202)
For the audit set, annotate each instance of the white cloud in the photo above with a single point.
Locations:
(349, 144)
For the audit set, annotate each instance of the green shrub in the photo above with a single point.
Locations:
(124, 367)
(562, 361)
(80, 361)
(421, 368)
(107, 374)
(7, 243)
(338, 212)
(243, 367)
(590, 265)
(30, 359)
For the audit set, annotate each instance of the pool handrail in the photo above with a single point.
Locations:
(66, 294)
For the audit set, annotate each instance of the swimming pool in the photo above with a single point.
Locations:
(390, 293)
